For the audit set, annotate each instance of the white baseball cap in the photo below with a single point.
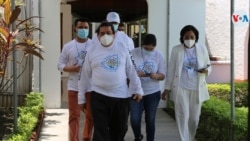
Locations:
(113, 17)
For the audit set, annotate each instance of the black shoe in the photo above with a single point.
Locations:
(139, 138)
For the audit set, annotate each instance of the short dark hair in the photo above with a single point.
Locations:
(186, 29)
(81, 20)
(149, 39)
(105, 24)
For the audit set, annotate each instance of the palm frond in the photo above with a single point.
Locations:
(22, 21)
(33, 52)
(15, 14)
(7, 12)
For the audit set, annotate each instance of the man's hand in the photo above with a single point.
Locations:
(82, 107)
(74, 68)
(136, 97)
(164, 94)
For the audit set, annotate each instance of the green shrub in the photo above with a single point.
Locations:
(215, 120)
(222, 91)
(240, 123)
(216, 124)
(17, 137)
(28, 117)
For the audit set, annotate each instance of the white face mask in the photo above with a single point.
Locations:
(146, 52)
(189, 43)
(106, 40)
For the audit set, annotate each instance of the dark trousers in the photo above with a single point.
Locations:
(110, 117)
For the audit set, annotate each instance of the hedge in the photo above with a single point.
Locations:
(222, 91)
(27, 117)
(216, 124)
(215, 120)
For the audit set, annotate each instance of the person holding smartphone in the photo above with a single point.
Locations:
(185, 81)
(151, 68)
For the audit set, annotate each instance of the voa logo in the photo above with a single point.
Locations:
(240, 18)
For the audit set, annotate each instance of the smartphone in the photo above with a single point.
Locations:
(203, 68)
(133, 97)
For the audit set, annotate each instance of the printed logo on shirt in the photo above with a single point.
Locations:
(80, 58)
(111, 62)
(147, 67)
(190, 64)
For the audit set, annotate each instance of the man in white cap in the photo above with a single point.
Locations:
(114, 18)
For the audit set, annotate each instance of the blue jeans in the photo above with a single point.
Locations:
(149, 103)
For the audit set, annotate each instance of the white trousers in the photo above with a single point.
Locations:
(187, 113)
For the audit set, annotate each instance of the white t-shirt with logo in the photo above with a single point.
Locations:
(108, 68)
(72, 53)
(149, 63)
(189, 76)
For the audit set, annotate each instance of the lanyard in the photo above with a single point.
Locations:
(78, 53)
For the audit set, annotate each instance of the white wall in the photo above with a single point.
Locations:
(51, 78)
(167, 27)
(218, 33)
(185, 12)
(158, 25)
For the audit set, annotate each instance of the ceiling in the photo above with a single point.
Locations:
(96, 10)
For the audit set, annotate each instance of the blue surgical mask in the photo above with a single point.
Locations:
(83, 33)
(115, 26)
(146, 52)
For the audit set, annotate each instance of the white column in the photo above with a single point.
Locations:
(185, 12)
(51, 78)
(157, 25)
